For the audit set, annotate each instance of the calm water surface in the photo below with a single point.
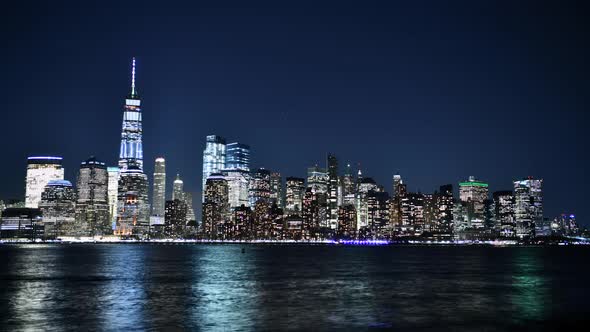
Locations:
(132, 287)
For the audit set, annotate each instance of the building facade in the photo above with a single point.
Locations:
(41, 170)
(159, 190)
(214, 156)
(92, 204)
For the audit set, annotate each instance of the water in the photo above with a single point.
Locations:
(131, 287)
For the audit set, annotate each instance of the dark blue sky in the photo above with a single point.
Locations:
(437, 90)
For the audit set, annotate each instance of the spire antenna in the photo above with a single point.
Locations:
(133, 78)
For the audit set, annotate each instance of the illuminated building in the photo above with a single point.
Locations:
(412, 213)
(277, 222)
(294, 195)
(313, 212)
(133, 210)
(261, 220)
(430, 212)
(58, 205)
(378, 226)
(473, 194)
(216, 207)
(113, 192)
(190, 211)
(294, 228)
(237, 181)
(565, 225)
(276, 189)
(132, 203)
(347, 222)
(317, 179)
(397, 181)
(159, 190)
(528, 206)
(237, 157)
(41, 170)
(131, 152)
(444, 205)
(213, 157)
(241, 224)
(259, 187)
(504, 213)
(362, 210)
(24, 223)
(175, 218)
(332, 191)
(348, 187)
(92, 205)
(178, 188)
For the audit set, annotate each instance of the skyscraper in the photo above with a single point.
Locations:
(178, 189)
(317, 179)
(504, 213)
(216, 207)
(444, 205)
(294, 195)
(58, 203)
(528, 206)
(237, 157)
(238, 181)
(276, 189)
(159, 195)
(133, 208)
(113, 192)
(41, 170)
(175, 218)
(92, 206)
(259, 188)
(213, 157)
(473, 194)
(332, 164)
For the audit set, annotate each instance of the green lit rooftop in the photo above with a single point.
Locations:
(473, 184)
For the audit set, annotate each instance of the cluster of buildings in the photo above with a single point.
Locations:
(241, 203)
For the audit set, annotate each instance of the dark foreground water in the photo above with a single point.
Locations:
(308, 288)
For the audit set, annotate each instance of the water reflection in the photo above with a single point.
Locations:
(531, 293)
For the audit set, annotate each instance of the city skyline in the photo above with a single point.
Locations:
(479, 124)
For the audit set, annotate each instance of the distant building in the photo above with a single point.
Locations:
(362, 209)
(159, 191)
(214, 157)
(378, 226)
(241, 224)
(504, 213)
(190, 211)
(565, 225)
(238, 181)
(178, 188)
(347, 222)
(294, 195)
(528, 206)
(259, 188)
(473, 195)
(41, 170)
(237, 157)
(24, 223)
(444, 204)
(58, 206)
(216, 207)
(113, 193)
(92, 205)
(276, 189)
(317, 179)
(333, 193)
(175, 218)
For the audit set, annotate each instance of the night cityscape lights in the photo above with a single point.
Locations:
(244, 204)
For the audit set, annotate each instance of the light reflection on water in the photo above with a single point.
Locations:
(216, 287)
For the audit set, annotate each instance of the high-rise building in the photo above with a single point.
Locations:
(333, 198)
(241, 223)
(397, 181)
(92, 205)
(362, 209)
(237, 157)
(178, 189)
(378, 225)
(473, 194)
(347, 222)
(133, 207)
(348, 187)
(159, 194)
(216, 207)
(113, 193)
(444, 205)
(175, 218)
(294, 195)
(58, 205)
(259, 188)
(412, 213)
(238, 181)
(41, 170)
(317, 179)
(504, 213)
(190, 211)
(528, 206)
(276, 189)
(214, 157)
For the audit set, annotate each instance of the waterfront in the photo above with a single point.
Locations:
(296, 287)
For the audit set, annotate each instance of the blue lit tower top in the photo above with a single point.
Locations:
(131, 155)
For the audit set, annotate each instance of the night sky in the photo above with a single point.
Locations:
(435, 90)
